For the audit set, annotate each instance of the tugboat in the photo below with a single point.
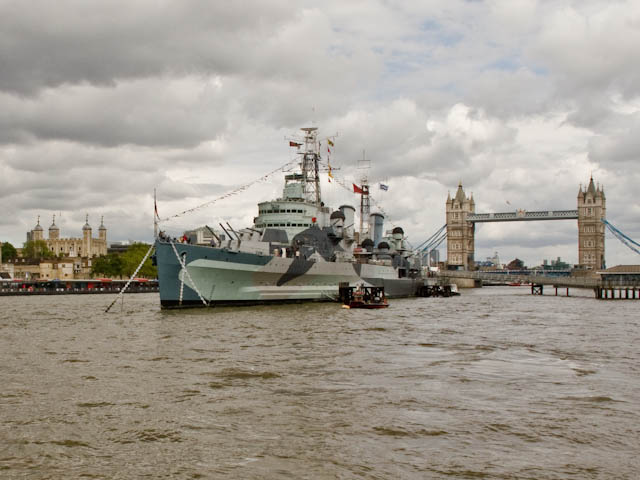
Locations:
(363, 297)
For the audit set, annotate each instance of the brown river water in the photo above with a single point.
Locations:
(496, 383)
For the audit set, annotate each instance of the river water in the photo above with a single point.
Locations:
(496, 383)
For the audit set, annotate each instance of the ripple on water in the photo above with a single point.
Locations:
(401, 432)
(148, 435)
(94, 404)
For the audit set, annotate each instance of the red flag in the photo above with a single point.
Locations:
(294, 144)
(357, 189)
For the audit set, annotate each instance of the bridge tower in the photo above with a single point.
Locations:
(460, 232)
(592, 208)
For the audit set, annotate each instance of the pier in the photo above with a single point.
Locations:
(609, 289)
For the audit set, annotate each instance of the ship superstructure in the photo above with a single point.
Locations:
(300, 206)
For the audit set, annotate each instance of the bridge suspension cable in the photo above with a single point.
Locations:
(629, 242)
(433, 242)
(429, 240)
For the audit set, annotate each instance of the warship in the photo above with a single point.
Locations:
(297, 250)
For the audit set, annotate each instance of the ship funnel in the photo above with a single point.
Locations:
(337, 223)
(397, 234)
(376, 224)
(349, 213)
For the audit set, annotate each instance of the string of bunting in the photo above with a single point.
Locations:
(340, 182)
(228, 194)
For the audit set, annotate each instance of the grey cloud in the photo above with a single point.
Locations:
(99, 43)
(618, 149)
(151, 112)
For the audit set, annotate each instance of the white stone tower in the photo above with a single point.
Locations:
(102, 231)
(86, 239)
(54, 231)
(37, 233)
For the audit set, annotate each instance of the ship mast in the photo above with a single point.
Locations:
(310, 173)
(365, 206)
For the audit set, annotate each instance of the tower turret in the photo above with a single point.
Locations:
(102, 231)
(86, 239)
(37, 233)
(54, 231)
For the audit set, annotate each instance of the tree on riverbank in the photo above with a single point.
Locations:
(9, 252)
(108, 265)
(125, 264)
(132, 258)
(36, 250)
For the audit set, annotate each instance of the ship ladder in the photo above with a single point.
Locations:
(184, 267)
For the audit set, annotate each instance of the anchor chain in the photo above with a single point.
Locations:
(184, 267)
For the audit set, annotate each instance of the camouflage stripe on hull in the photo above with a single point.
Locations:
(224, 277)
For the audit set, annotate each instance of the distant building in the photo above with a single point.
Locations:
(557, 264)
(491, 263)
(85, 247)
(48, 269)
(203, 235)
(118, 247)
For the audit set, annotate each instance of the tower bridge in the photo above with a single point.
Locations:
(591, 211)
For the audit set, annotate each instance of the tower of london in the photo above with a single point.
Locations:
(84, 247)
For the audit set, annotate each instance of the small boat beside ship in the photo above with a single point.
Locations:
(363, 297)
(297, 249)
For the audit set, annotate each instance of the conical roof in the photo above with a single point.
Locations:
(86, 225)
(102, 227)
(591, 188)
(38, 227)
(460, 194)
(53, 225)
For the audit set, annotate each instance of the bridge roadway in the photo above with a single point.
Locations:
(522, 215)
(560, 282)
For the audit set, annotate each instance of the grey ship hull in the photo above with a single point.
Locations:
(226, 277)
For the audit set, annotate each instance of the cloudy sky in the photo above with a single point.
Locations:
(521, 100)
